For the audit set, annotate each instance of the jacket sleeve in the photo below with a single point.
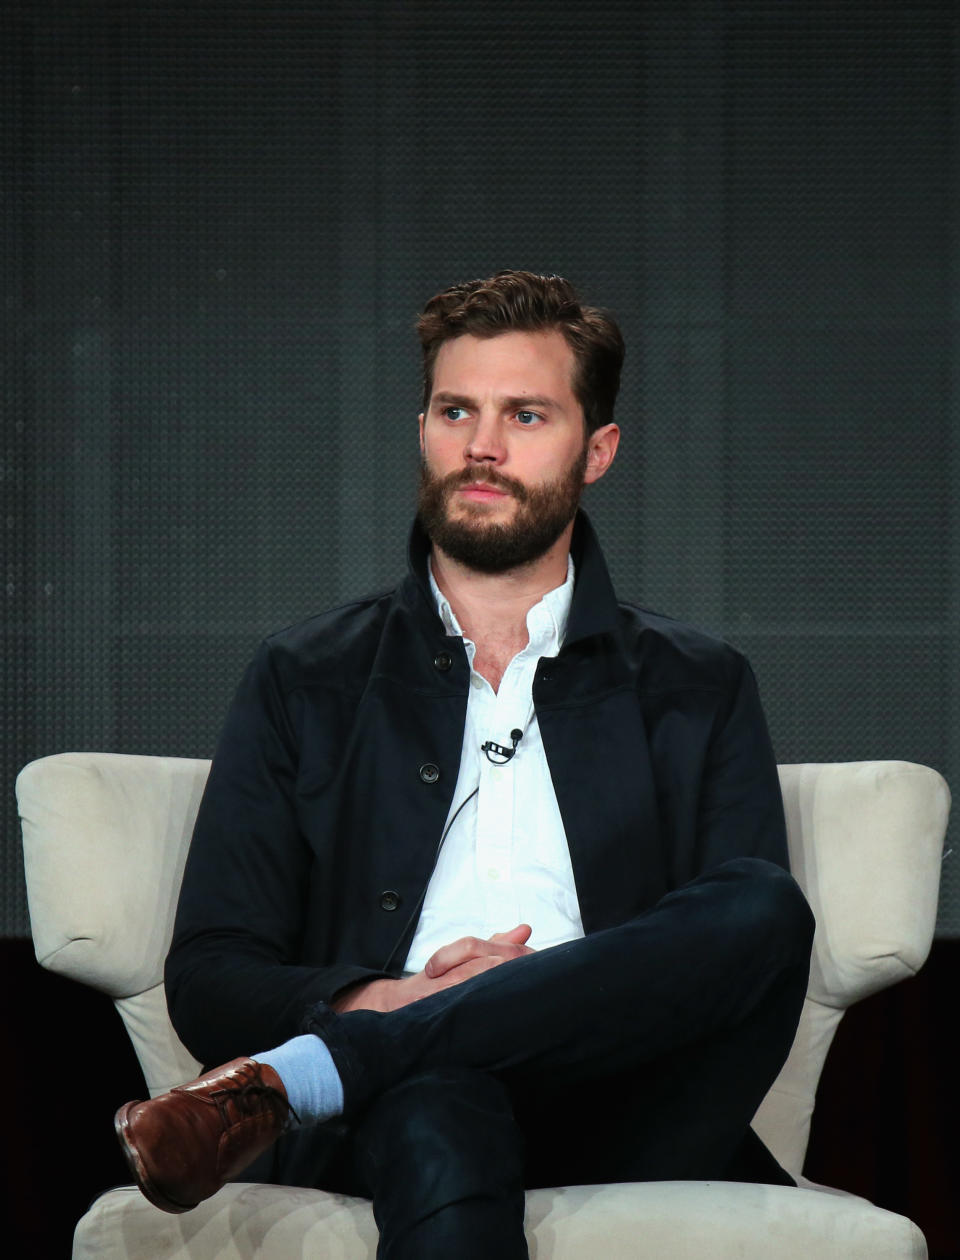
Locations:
(740, 812)
(234, 976)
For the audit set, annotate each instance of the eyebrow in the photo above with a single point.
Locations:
(517, 403)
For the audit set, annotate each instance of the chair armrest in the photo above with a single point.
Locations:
(866, 843)
(105, 838)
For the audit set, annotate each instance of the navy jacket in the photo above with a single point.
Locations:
(333, 777)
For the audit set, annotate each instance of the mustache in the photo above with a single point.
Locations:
(484, 477)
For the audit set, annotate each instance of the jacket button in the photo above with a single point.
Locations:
(389, 900)
(429, 773)
(443, 661)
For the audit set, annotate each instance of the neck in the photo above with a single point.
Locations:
(493, 607)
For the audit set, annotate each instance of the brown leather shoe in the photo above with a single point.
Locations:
(184, 1145)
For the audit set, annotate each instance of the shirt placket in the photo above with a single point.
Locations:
(497, 801)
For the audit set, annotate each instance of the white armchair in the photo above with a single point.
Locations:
(105, 838)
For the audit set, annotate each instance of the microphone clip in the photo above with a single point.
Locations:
(496, 754)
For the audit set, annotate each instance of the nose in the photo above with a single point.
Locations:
(485, 442)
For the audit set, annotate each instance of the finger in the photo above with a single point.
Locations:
(468, 947)
(453, 955)
(466, 970)
(516, 936)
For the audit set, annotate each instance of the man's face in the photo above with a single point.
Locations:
(505, 453)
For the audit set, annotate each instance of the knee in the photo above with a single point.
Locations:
(441, 1100)
(769, 904)
(448, 1134)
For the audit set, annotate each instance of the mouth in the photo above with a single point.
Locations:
(482, 492)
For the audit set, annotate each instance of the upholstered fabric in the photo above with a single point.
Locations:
(681, 1220)
(105, 839)
(866, 842)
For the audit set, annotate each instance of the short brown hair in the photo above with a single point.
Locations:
(521, 301)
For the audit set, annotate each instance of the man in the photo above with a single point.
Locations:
(488, 886)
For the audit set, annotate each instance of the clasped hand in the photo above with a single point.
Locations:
(450, 965)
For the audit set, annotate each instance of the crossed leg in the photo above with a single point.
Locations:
(638, 1053)
(691, 969)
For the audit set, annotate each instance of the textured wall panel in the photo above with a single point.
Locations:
(219, 222)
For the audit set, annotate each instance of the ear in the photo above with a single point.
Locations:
(601, 448)
(420, 423)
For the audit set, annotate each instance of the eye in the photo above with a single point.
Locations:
(527, 418)
(454, 413)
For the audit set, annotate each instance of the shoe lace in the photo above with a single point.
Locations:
(243, 1094)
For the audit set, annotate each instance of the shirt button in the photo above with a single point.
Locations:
(476, 682)
(389, 900)
(443, 661)
(429, 773)
(493, 873)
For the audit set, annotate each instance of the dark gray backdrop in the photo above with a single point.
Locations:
(219, 221)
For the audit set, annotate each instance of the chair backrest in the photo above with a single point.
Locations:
(105, 838)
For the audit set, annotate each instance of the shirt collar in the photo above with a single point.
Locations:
(546, 620)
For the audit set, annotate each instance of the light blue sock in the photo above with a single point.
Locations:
(309, 1075)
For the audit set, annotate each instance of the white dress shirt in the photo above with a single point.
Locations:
(505, 858)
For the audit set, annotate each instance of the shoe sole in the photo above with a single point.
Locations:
(140, 1175)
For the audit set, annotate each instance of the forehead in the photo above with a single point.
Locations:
(513, 363)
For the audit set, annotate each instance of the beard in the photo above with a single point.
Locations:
(541, 515)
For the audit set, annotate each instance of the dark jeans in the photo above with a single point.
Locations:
(638, 1053)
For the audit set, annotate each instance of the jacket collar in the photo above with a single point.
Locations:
(594, 607)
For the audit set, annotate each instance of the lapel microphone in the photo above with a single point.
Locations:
(500, 755)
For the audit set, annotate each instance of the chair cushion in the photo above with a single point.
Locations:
(684, 1220)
